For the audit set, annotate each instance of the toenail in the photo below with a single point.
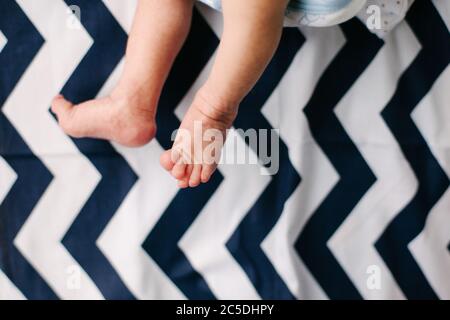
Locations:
(193, 184)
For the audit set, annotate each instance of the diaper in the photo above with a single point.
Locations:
(325, 13)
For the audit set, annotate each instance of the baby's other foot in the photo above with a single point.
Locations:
(199, 141)
(128, 121)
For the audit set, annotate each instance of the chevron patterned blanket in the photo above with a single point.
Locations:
(359, 208)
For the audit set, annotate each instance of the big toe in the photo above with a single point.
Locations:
(63, 111)
(61, 106)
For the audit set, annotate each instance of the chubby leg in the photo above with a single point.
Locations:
(252, 32)
(127, 115)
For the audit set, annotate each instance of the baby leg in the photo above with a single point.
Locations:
(127, 115)
(252, 32)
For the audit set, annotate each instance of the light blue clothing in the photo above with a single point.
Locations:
(324, 13)
(306, 6)
(313, 12)
(318, 6)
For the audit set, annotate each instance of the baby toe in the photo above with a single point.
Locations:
(195, 178)
(207, 172)
(183, 184)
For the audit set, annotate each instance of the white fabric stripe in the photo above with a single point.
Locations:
(142, 207)
(39, 240)
(204, 242)
(8, 177)
(432, 116)
(443, 8)
(3, 41)
(139, 212)
(322, 45)
(7, 289)
(359, 111)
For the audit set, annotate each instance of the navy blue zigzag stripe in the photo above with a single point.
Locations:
(117, 177)
(24, 41)
(355, 175)
(245, 243)
(162, 242)
(415, 83)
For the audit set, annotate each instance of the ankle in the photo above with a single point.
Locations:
(134, 102)
(126, 91)
(215, 107)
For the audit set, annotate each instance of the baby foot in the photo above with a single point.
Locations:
(127, 120)
(199, 141)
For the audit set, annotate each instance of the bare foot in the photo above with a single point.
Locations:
(127, 120)
(197, 148)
